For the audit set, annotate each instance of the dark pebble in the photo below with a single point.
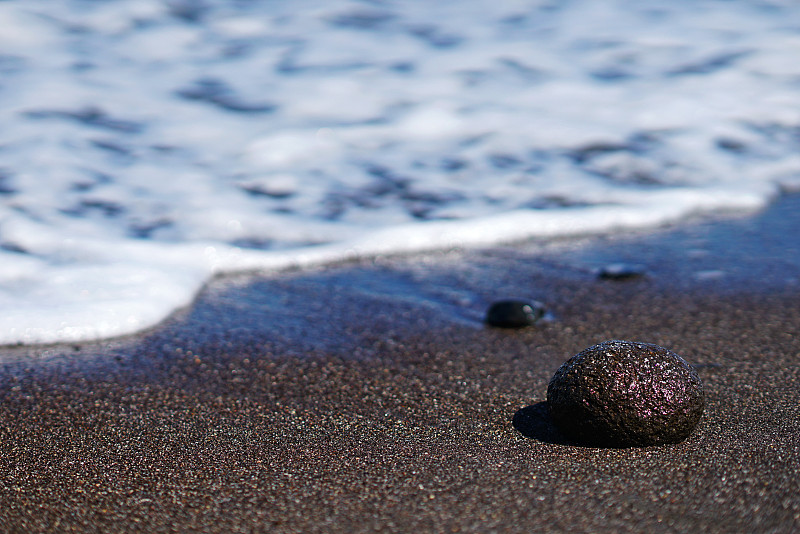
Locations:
(625, 394)
(621, 271)
(514, 313)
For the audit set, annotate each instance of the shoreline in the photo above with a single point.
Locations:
(543, 248)
(371, 396)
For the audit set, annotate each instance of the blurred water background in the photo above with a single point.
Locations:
(146, 145)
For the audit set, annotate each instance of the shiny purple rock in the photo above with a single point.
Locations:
(625, 394)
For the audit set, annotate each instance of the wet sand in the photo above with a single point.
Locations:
(370, 397)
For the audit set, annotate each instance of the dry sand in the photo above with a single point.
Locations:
(370, 397)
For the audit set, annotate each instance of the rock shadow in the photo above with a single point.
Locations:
(534, 422)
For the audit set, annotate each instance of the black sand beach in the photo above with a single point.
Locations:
(370, 397)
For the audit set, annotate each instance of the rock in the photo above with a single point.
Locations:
(621, 271)
(625, 394)
(514, 313)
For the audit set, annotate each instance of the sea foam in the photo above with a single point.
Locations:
(146, 145)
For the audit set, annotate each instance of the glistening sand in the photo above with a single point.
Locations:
(369, 397)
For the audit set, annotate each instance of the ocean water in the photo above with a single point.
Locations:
(147, 145)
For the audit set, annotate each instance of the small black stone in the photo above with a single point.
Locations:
(621, 271)
(514, 313)
(625, 394)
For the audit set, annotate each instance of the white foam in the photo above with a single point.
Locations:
(146, 146)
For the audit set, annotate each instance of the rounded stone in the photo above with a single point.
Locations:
(621, 271)
(625, 394)
(514, 313)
